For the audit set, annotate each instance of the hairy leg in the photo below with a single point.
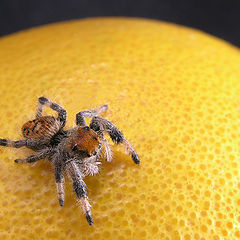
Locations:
(59, 178)
(79, 187)
(15, 144)
(99, 125)
(34, 144)
(80, 117)
(44, 153)
(62, 114)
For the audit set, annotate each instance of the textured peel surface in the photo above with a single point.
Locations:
(175, 94)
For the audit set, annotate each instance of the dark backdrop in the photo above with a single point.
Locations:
(217, 17)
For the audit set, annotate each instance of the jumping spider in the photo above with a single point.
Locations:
(75, 151)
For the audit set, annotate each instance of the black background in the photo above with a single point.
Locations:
(217, 17)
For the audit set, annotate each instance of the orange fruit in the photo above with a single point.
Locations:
(173, 92)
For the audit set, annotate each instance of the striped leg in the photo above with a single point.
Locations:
(100, 125)
(62, 114)
(15, 144)
(59, 178)
(36, 157)
(80, 117)
(79, 187)
(34, 144)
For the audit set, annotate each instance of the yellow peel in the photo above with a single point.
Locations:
(175, 94)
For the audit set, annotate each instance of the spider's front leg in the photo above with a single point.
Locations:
(99, 125)
(80, 117)
(79, 187)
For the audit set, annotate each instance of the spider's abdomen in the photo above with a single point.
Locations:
(42, 127)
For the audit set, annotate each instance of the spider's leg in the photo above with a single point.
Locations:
(39, 109)
(15, 144)
(47, 152)
(108, 151)
(59, 178)
(35, 144)
(79, 187)
(99, 125)
(62, 114)
(80, 117)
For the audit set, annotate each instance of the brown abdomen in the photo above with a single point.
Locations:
(42, 127)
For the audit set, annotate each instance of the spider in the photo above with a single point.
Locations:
(75, 151)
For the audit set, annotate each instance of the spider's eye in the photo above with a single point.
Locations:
(74, 147)
(86, 128)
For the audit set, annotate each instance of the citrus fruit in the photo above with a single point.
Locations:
(172, 91)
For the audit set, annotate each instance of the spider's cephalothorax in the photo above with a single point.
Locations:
(75, 151)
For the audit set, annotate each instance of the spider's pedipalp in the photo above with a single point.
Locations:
(80, 117)
(89, 166)
(47, 152)
(79, 187)
(62, 114)
(108, 151)
(99, 125)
